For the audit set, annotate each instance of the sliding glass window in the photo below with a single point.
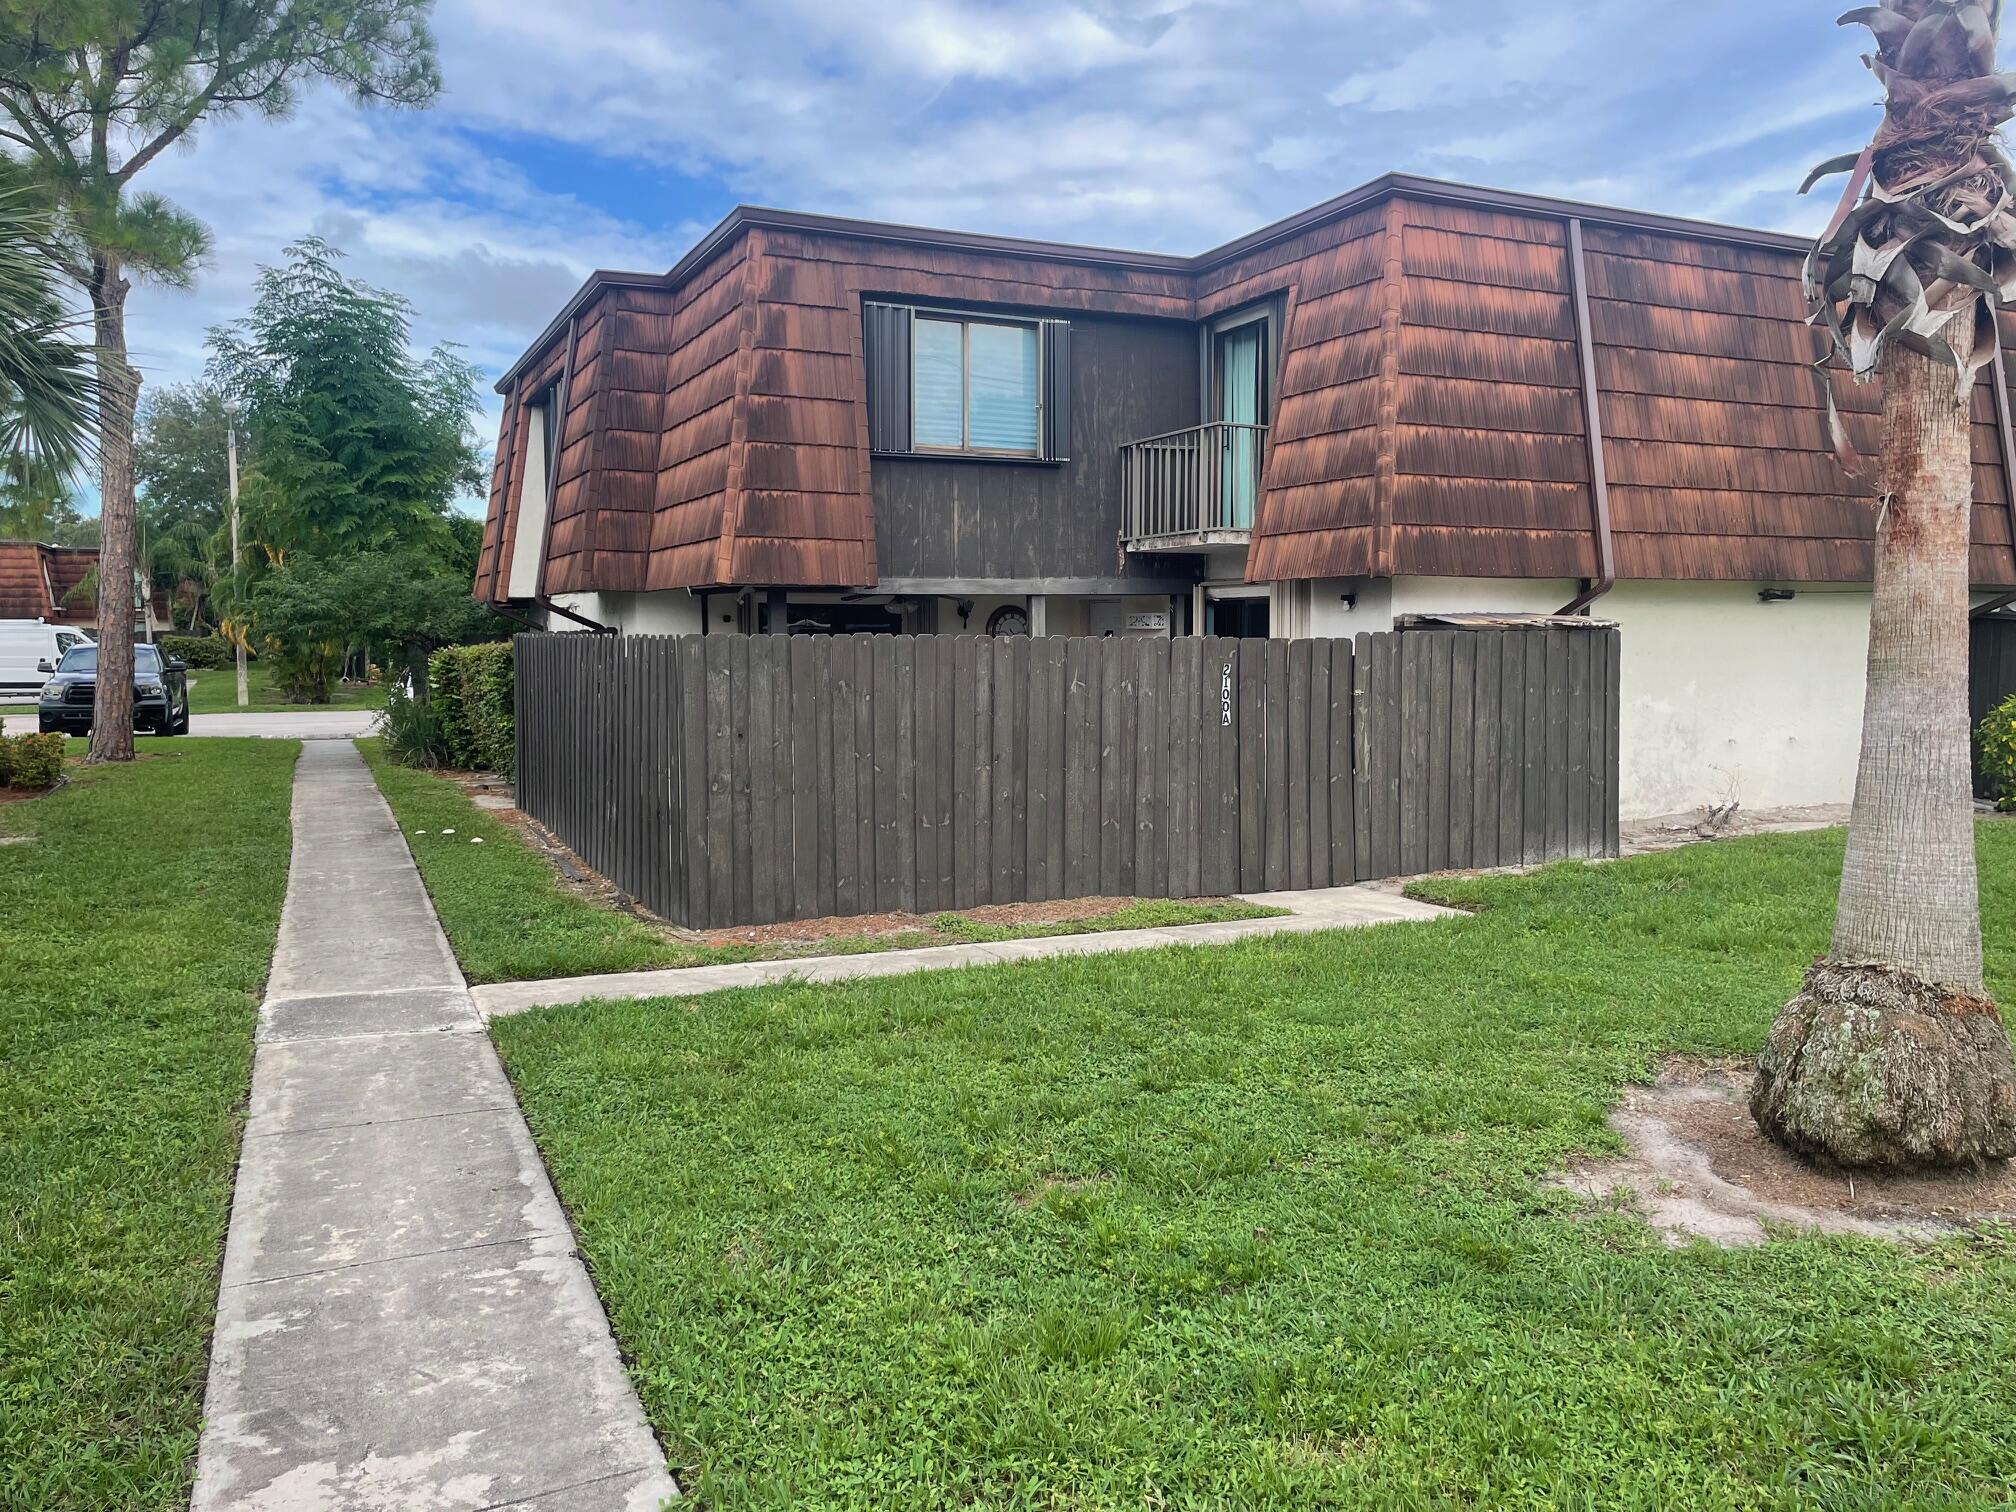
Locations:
(976, 386)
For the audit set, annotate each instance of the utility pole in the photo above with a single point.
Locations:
(237, 582)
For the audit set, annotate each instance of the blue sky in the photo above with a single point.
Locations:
(612, 133)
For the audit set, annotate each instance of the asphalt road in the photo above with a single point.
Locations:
(329, 724)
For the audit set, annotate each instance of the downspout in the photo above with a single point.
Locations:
(565, 398)
(1999, 381)
(1592, 424)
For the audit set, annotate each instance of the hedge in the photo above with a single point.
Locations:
(207, 652)
(470, 688)
(1995, 738)
(31, 762)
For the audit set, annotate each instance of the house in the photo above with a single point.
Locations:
(41, 582)
(1416, 398)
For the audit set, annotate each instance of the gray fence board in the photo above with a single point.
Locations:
(724, 780)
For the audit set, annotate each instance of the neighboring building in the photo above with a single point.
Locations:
(39, 582)
(1415, 398)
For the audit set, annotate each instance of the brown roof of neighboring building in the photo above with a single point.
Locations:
(24, 581)
(1430, 415)
(37, 579)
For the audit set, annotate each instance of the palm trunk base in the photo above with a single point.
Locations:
(1870, 1067)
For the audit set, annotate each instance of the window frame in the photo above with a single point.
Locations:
(966, 320)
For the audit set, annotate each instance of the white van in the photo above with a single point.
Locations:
(28, 648)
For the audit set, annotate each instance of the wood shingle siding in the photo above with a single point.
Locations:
(1428, 412)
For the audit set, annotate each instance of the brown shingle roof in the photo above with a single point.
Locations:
(1428, 420)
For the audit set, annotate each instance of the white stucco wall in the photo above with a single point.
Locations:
(528, 535)
(669, 612)
(1723, 695)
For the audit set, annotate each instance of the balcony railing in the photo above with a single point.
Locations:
(1192, 488)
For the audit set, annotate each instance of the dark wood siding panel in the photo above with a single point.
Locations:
(939, 518)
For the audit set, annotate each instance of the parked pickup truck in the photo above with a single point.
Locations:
(160, 692)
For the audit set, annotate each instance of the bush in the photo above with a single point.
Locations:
(412, 729)
(470, 688)
(207, 652)
(31, 762)
(1995, 740)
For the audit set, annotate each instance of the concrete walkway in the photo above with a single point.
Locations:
(404, 1325)
(1324, 908)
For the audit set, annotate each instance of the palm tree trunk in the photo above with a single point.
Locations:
(1909, 896)
(112, 715)
(1892, 1054)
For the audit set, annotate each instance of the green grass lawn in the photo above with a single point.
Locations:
(215, 691)
(510, 919)
(135, 929)
(1262, 1225)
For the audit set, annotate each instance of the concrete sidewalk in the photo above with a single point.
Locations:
(1323, 908)
(403, 1322)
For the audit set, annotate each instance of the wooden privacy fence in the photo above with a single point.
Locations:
(737, 780)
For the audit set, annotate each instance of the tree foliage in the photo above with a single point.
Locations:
(36, 504)
(314, 610)
(1921, 261)
(184, 494)
(91, 92)
(356, 444)
(48, 388)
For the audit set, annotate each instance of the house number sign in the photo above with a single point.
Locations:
(1225, 694)
(1150, 620)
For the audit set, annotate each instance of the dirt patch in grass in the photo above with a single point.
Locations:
(1000, 915)
(1698, 1168)
(1053, 1187)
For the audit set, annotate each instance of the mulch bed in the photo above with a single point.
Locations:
(1055, 911)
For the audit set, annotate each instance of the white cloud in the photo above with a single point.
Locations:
(1170, 124)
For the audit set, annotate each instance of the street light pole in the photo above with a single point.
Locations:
(231, 465)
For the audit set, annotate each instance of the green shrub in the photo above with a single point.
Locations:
(207, 652)
(1995, 739)
(470, 688)
(32, 762)
(412, 729)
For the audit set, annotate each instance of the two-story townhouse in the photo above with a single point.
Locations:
(1417, 398)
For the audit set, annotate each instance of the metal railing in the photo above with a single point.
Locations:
(1189, 485)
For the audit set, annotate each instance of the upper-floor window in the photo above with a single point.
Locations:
(949, 382)
(975, 386)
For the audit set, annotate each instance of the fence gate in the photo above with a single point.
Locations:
(728, 779)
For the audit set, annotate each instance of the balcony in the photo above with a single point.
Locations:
(1191, 489)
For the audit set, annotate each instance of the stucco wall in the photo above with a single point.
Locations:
(672, 611)
(1723, 695)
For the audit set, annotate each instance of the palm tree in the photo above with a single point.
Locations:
(1892, 1054)
(48, 387)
